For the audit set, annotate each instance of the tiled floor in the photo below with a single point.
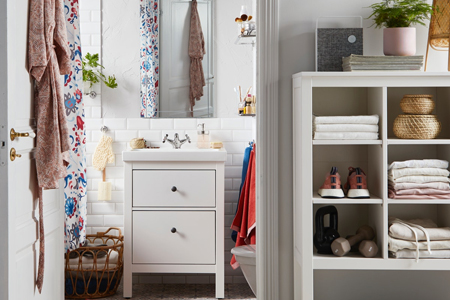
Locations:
(184, 292)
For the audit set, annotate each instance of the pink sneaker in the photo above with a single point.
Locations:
(356, 185)
(332, 187)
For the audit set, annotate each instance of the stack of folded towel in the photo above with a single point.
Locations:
(418, 238)
(419, 179)
(345, 127)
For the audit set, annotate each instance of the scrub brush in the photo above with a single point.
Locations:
(103, 154)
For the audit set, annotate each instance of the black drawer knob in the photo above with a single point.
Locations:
(174, 189)
(173, 230)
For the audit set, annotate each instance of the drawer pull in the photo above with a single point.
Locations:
(174, 189)
(173, 230)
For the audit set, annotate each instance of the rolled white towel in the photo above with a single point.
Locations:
(372, 120)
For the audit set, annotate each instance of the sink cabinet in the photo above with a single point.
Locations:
(174, 214)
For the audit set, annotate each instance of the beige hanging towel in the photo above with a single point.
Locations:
(48, 59)
(196, 53)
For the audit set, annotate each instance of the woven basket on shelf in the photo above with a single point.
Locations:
(95, 271)
(417, 104)
(417, 127)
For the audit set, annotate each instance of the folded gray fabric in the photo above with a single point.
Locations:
(422, 254)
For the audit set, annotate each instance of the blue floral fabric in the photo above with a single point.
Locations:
(149, 58)
(75, 181)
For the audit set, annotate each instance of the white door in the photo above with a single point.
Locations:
(19, 213)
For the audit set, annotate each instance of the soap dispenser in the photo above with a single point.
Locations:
(203, 137)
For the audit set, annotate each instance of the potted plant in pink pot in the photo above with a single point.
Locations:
(397, 16)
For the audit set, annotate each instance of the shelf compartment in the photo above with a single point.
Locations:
(328, 262)
(418, 142)
(348, 142)
(335, 201)
(441, 96)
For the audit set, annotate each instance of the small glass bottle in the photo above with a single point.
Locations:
(203, 137)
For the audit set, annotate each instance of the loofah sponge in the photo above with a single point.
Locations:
(103, 153)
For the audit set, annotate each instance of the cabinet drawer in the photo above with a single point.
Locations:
(174, 188)
(193, 242)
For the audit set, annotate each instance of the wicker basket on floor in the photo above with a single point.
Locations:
(417, 126)
(95, 271)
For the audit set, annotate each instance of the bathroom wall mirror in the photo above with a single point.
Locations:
(165, 61)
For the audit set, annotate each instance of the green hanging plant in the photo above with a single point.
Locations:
(92, 71)
(400, 13)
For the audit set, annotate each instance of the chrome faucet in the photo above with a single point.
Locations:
(176, 142)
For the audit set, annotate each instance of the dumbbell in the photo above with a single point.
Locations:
(368, 248)
(341, 246)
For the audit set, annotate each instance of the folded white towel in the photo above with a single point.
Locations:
(400, 231)
(346, 127)
(397, 173)
(372, 120)
(422, 163)
(397, 244)
(420, 179)
(429, 185)
(345, 136)
(422, 254)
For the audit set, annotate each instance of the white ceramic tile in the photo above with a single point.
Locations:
(228, 208)
(105, 208)
(249, 123)
(85, 38)
(96, 111)
(199, 279)
(90, 4)
(138, 124)
(238, 159)
(233, 172)
(117, 196)
(210, 124)
(125, 135)
(119, 208)
(85, 16)
(96, 16)
(94, 124)
(237, 183)
(89, 208)
(114, 173)
(92, 196)
(95, 184)
(92, 50)
(96, 229)
(150, 279)
(96, 220)
(185, 124)
(88, 136)
(119, 147)
(119, 184)
(161, 124)
(231, 196)
(228, 183)
(235, 147)
(91, 27)
(115, 123)
(174, 279)
(221, 135)
(192, 135)
(96, 40)
(90, 147)
(171, 134)
(239, 279)
(242, 135)
(119, 161)
(92, 173)
(150, 135)
(87, 112)
(113, 221)
(233, 123)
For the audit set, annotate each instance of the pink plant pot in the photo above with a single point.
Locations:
(400, 41)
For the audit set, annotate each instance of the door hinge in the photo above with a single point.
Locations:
(3, 145)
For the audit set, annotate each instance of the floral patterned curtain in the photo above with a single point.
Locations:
(75, 181)
(149, 58)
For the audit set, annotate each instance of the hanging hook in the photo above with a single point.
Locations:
(104, 129)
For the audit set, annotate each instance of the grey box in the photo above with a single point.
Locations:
(332, 44)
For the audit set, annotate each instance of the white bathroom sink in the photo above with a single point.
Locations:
(171, 154)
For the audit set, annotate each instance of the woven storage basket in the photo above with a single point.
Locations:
(417, 104)
(417, 127)
(95, 272)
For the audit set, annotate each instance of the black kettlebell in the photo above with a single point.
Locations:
(324, 236)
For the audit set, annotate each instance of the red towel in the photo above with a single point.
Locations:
(245, 220)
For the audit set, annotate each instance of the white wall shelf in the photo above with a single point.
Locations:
(363, 93)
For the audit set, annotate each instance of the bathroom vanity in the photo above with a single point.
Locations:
(174, 213)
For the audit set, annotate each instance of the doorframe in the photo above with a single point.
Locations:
(267, 147)
(4, 230)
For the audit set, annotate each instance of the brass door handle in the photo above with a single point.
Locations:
(13, 134)
(13, 154)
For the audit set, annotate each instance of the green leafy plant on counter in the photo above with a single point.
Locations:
(401, 13)
(92, 71)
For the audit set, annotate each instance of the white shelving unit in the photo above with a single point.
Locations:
(362, 93)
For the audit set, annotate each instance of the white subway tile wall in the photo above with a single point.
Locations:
(235, 133)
